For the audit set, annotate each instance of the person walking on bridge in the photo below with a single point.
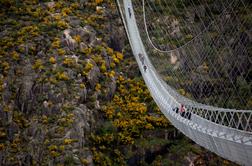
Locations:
(129, 10)
(145, 68)
(182, 110)
(141, 57)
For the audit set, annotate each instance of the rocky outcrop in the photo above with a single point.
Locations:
(83, 125)
(87, 35)
(111, 88)
(94, 74)
(25, 95)
(116, 37)
(68, 40)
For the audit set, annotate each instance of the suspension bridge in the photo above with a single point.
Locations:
(194, 74)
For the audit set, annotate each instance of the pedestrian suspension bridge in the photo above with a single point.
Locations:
(198, 67)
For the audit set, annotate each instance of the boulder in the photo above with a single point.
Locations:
(111, 87)
(117, 39)
(25, 95)
(87, 34)
(74, 21)
(83, 95)
(50, 4)
(82, 126)
(93, 74)
(83, 46)
(68, 40)
(95, 42)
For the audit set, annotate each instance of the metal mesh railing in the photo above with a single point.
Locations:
(201, 48)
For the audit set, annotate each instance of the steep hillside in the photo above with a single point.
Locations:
(56, 72)
(71, 93)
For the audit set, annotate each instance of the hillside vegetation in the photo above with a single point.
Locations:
(71, 92)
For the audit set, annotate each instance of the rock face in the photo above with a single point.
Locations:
(82, 126)
(50, 4)
(111, 88)
(80, 131)
(25, 93)
(86, 33)
(68, 40)
(44, 87)
(93, 74)
(116, 38)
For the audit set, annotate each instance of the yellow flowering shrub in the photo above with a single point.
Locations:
(57, 17)
(6, 66)
(115, 59)
(125, 139)
(109, 51)
(44, 119)
(38, 65)
(112, 65)
(74, 5)
(2, 134)
(88, 66)
(97, 2)
(1, 85)
(62, 24)
(56, 43)
(109, 111)
(52, 147)
(62, 76)
(182, 92)
(77, 38)
(103, 68)
(82, 86)
(31, 30)
(98, 87)
(58, 5)
(15, 55)
(2, 146)
(69, 62)
(119, 56)
(62, 148)
(86, 51)
(61, 51)
(66, 11)
(68, 141)
(52, 60)
(54, 154)
(111, 74)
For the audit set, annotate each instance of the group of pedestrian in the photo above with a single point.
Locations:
(183, 112)
(141, 57)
